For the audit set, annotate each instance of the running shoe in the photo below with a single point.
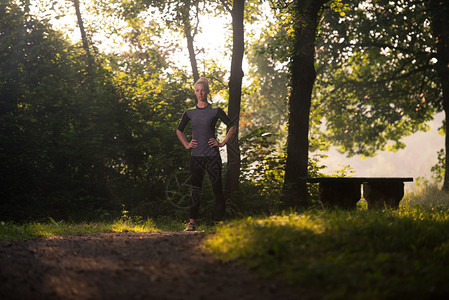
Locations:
(190, 227)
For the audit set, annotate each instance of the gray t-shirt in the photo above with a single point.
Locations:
(203, 122)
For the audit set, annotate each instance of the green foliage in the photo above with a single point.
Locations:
(377, 80)
(339, 254)
(262, 173)
(439, 168)
(340, 7)
(75, 146)
(57, 129)
(261, 163)
(265, 100)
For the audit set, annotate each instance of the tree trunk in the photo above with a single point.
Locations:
(439, 10)
(189, 38)
(235, 94)
(89, 58)
(306, 13)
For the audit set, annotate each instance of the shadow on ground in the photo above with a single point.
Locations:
(126, 266)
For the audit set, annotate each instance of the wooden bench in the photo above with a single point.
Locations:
(345, 192)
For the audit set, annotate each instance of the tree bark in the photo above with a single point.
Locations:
(306, 15)
(439, 10)
(235, 94)
(190, 38)
(89, 58)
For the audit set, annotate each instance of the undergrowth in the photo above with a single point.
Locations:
(338, 254)
(13, 231)
(428, 195)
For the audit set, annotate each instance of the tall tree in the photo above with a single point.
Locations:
(439, 10)
(305, 17)
(235, 91)
(182, 15)
(84, 38)
(178, 15)
(190, 33)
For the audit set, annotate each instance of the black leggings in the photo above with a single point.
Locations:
(198, 165)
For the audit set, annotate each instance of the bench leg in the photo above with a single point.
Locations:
(342, 194)
(383, 194)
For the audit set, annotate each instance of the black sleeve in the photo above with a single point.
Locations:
(184, 120)
(224, 118)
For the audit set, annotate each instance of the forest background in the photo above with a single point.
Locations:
(87, 125)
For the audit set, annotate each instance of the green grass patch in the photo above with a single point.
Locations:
(357, 254)
(428, 195)
(12, 231)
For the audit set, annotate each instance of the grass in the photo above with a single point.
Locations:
(427, 195)
(340, 254)
(126, 223)
(12, 231)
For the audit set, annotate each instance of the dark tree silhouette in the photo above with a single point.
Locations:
(439, 10)
(84, 39)
(235, 92)
(305, 17)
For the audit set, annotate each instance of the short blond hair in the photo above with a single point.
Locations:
(204, 81)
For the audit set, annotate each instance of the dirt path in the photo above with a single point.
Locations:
(125, 266)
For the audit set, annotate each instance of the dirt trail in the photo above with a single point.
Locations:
(168, 265)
